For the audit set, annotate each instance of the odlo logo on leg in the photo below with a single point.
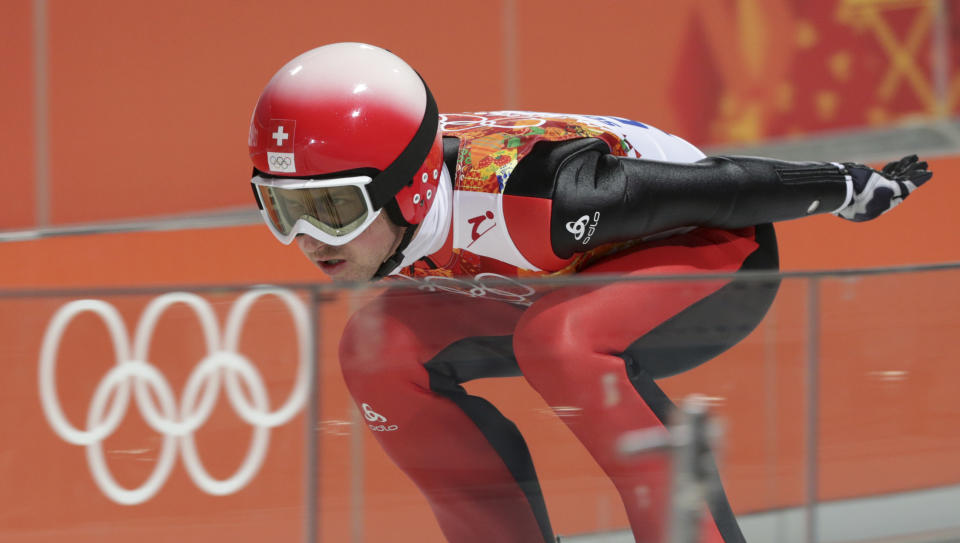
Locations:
(373, 416)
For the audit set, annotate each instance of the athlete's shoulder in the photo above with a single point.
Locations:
(514, 128)
(505, 167)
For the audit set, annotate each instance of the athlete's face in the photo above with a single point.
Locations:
(359, 259)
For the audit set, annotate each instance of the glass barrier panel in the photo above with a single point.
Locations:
(889, 415)
(457, 410)
(487, 407)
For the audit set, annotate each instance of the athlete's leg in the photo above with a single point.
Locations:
(579, 347)
(403, 358)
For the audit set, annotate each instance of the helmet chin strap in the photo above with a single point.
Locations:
(390, 264)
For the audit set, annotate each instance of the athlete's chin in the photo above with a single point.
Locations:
(346, 271)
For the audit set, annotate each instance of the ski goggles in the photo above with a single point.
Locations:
(333, 211)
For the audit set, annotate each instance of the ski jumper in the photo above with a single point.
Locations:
(535, 194)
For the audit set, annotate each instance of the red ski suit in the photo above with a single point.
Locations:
(598, 348)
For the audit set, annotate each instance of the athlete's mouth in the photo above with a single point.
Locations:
(330, 264)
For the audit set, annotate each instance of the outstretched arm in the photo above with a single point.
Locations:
(635, 198)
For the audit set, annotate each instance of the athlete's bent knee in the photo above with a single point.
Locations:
(378, 352)
(543, 342)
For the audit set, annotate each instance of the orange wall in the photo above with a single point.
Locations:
(149, 102)
(878, 434)
(149, 105)
(16, 108)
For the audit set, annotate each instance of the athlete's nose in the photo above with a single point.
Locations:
(309, 244)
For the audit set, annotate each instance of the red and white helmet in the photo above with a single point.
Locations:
(345, 114)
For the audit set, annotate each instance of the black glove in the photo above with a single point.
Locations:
(875, 193)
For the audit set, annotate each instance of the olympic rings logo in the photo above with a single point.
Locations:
(176, 423)
(506, 120)
(476, 288)
(280, 162)
(455, 122)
